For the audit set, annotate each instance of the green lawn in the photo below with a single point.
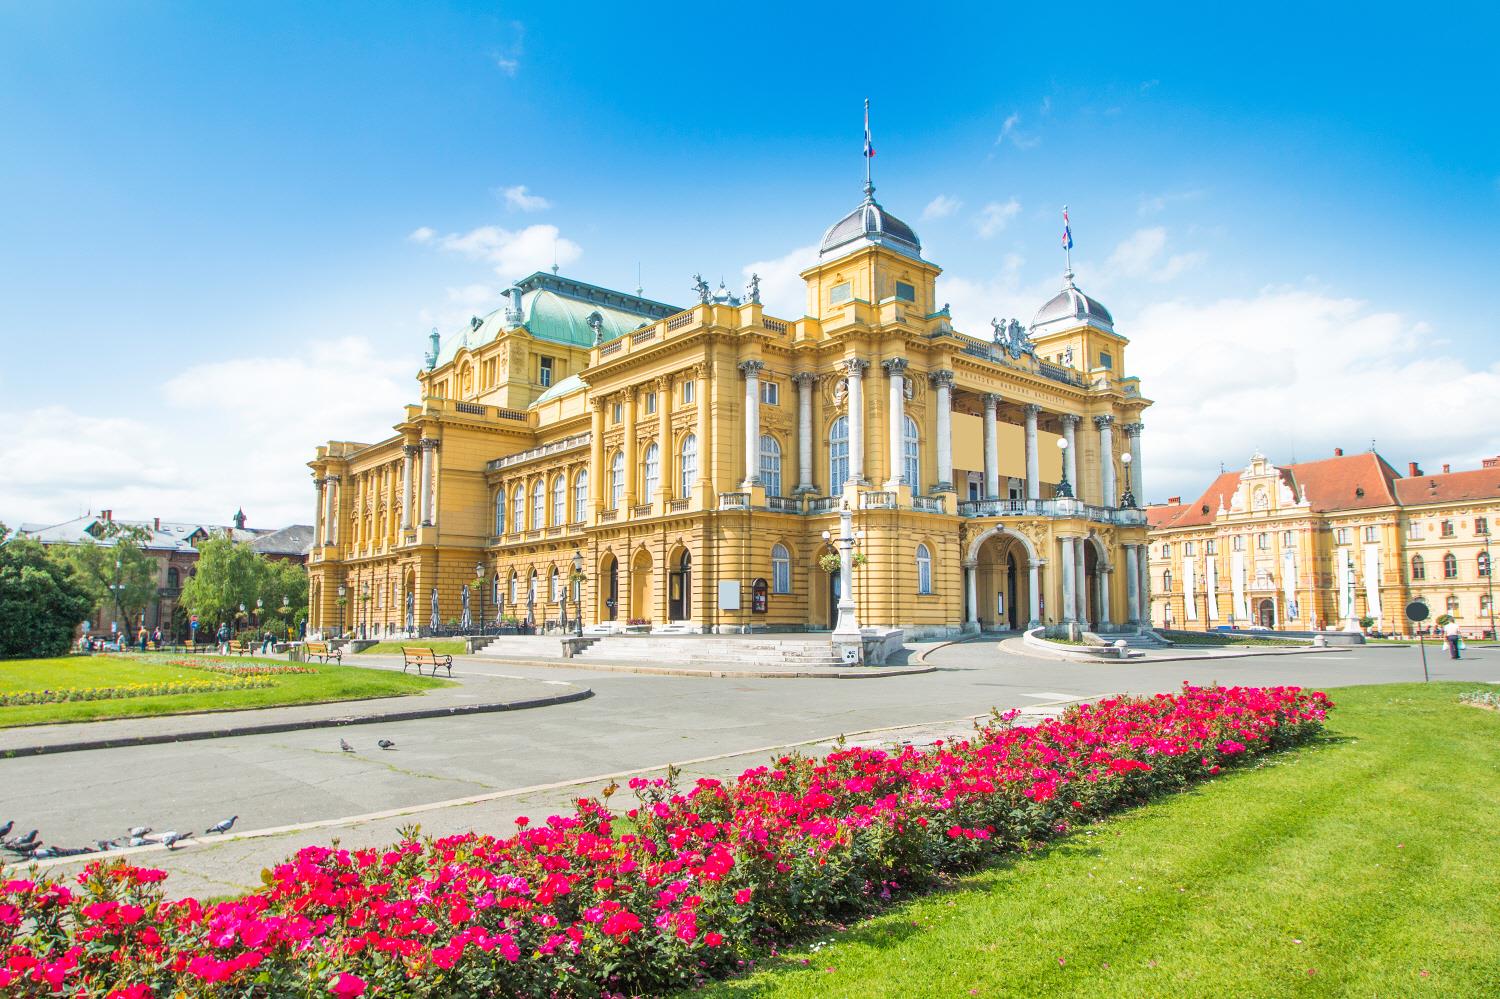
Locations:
(442, 646)
(1254, 639)
(329, 683)
(1362, 866)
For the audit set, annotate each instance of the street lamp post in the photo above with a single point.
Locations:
(286, 609)
(576, 579)
(846, 631)
(343, 599)
(1489, 581)
(364, 610)
(479, 585)
(1127, 498)
(1064, 490)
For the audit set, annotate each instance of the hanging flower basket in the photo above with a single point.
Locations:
(830, 562)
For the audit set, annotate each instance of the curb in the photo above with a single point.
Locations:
(864, 672)
(265, 728)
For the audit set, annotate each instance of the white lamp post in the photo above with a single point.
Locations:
(1064, 490)
(1127, 501)
(847, 628)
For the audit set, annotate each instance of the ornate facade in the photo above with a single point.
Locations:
(689, 460)
(1327, 544)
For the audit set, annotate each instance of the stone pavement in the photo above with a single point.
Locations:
(473, 693)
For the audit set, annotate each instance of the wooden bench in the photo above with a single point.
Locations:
(425, 657)
(240, 648)
(320, 650)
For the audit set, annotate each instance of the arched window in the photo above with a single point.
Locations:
(770, 464)
(1484, 564)
(518, 510)
(538, 508)
(924, 569)
(581, 497)
(911, 450)
(1453, 605)
(515, 586)
(1484, 604)
(653, 472)
(500, 512)
(1450, 566)
(781, 569)
(838, 455)
(1418, 567)
(559, 501)
(1166, 581)
(556, 586)
(687, 466)
(617, 480)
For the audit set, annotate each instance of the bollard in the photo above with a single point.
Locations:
(1121, 648)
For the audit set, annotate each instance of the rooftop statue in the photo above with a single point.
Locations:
(753, 289)
(705, 293)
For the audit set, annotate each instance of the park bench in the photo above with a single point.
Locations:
(320, 650)
(240, 648)
(425, 657)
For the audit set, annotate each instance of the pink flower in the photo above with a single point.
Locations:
(347, 986)
(742, 897)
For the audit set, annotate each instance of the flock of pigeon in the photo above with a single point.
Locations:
(29, 847)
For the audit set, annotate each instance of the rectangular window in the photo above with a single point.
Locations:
(617, 414)
(1413, 531)
(1482, 526)
(1210, 547)
(1166, 550)
(1286, 537)
(1237, 543)
(1372, 533)
(1263, 542)
(1188, 548)
(839, 293)
(905, 292)
(1106, 362)
(770, 393)
(545, 376)
(650, 403)
(1341, 535)
(1447, 529)
(688, 388)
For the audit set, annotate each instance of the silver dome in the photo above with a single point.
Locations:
(869, 223)
(1071, 308)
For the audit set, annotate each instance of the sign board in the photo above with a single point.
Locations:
(1417, 611)
(851, 654)
(729, 594)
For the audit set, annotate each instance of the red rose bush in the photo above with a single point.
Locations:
(685, 885)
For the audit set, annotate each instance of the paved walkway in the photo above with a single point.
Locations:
(1177, 653)
(473, 692)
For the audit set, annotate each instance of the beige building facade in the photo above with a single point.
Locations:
(677, 467)
(1330, 544)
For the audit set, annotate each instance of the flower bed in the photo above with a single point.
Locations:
(239, 669)
(66, 694)
(681, 887)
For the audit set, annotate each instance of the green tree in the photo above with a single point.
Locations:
(41, 600)
(122, 574)
(228, 574)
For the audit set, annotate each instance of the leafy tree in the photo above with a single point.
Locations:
(41, 601)
(230, 574)
(122, 575)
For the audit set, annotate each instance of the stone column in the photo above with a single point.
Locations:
(1033, 460)
(805, 381)
(408, 455)
(855, 369)
(629, 445)
(429, 446)
(1069, 596)
(597, 471)
(1081, 582)
(751, 370)
(991, 402)
(705, 444)
(1133, 431)
(1132, 585)
(1105, 424)
(1034, 592)
(1105, 620)
(895, 370)
(319, 538)
(1070, 460)
(665, 484)
(331, 519)
(943, 381)
(1143, 592)
(971, 586)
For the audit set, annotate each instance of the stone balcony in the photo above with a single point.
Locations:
(1062, 508)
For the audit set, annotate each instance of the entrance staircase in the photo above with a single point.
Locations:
(707, 651)
(524, 647)
(1139, 640)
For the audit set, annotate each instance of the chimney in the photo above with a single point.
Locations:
(1174, 500)
(1413, 469)
(1338, 452)
(1446, 468)
(155, 523)
(107, 515)
(1490, 462)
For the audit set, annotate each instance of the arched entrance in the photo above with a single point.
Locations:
(680, 586)
(1265, 613)
(609, 587)
(1001, 587)
(640, 586)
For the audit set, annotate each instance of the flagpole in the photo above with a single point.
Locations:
(1068, 249)
(869, 187)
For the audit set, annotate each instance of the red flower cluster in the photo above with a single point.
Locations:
(682, 886)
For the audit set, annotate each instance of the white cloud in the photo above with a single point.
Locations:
(472, 294)
(507, 65)
(1296, 371)
(1151, 204)
(782, 290)
(514, 253)
(1139, 255)
(218, 436)
(1010, 131)
(973, 302)
(995, 216)
(519, 199)
(941, 207)
(422, 234)
(507, 55)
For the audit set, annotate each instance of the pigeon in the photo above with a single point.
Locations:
(24, 840)
(104, 845)
(140, 831)
(345, 746)
(386, 744)
(222, 827)
(5, 829)
(137, 841)
(44, 852)
(171, 839)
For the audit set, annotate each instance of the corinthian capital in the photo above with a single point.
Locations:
(805, 377)
(855, 367)
(751, 369)
(894, 366)
(943, 377)
(1103, 421)
(1133, 429)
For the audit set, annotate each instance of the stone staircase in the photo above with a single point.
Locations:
(1142, 640)
(706, 651)
(524, 647)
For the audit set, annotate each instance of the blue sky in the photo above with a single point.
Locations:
(1291, 210)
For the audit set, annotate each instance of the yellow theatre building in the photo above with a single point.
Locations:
(694, 463)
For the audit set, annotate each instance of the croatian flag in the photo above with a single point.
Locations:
(1067, 237)
(869, 145)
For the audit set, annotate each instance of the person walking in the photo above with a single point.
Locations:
(1453, 637)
